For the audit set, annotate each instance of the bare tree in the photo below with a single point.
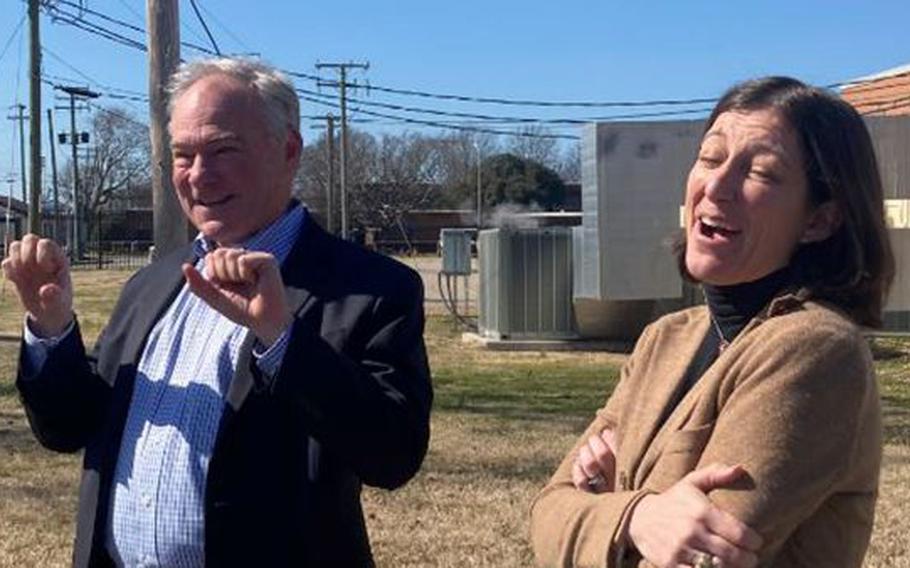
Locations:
(460, 155)
(570, 165)
(403, 177)
(312, 177)
(531, 144)
(116, 169)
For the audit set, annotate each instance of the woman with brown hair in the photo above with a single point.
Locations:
(747, 431)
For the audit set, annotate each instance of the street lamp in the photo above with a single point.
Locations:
(479, 192)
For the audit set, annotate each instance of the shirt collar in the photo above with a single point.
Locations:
(276, 239)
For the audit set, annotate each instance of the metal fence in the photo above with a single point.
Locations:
(125, 255)
(113, 239)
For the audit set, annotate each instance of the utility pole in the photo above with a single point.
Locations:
(34, 215)
(342, 84)
(330, 177)
(170, 225)
(7, 234)
(329, 168)
(50, 133)
(479, 191)
(83, 93)
(20, 108)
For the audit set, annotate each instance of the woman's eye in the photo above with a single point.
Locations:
(763, 175)
(710, 160)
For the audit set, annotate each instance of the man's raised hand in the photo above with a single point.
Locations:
(246, 288)
(39, 270)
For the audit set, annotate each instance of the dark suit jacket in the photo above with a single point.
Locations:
(350, 404)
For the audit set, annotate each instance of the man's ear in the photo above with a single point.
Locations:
(823, 221)
(293, 145)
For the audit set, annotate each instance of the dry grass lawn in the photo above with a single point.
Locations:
(501, 422)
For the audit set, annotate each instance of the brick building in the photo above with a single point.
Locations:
(883, 94)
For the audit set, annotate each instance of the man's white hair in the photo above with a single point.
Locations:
(280, 103)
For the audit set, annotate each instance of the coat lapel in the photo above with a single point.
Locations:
(654, 402)
(295, 271)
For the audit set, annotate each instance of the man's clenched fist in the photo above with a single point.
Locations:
(246, 288)
(40, 272)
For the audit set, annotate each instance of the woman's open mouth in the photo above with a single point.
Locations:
(712, 227)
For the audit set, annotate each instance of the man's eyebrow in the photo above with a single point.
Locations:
(218, 138)
(224, 136)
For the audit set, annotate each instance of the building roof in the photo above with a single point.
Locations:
(894, 71)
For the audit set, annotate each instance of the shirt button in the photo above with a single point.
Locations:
(146, 501)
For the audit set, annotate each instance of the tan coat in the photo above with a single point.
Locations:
(793, 399)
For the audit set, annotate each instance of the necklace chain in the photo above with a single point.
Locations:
(724, 342)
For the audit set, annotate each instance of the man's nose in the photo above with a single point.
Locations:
(200, 171)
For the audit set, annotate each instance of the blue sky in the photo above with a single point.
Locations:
(555, 50)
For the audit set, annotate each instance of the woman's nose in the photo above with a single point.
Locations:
(722, 183)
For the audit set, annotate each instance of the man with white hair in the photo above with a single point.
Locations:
(246, 384)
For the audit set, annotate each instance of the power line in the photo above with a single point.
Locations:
(132, 10)
(224, 28)
(58, 15)
(12, 36)
(205, 26)
(513, 119)
(86, 77)
(118, 114)
(867, 85)
(97, 14)
(94, 29)
(515, 102)
(437, 124)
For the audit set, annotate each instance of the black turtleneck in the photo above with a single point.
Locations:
(731, 307)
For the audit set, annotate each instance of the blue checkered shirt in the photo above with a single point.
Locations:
(157, 496)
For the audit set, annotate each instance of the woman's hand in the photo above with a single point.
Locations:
(680, 525)
(595, 464)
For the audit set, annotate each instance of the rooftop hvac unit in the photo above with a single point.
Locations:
(526, 283)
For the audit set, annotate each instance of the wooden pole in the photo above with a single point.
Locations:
(330, 177)
(170, 226)
(34, 211)
(24, 174)
(52, 142)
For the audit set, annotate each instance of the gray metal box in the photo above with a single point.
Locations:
(526, 283)
(456, 251)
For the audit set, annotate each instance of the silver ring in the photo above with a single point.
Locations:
(596, 480)
(705, 560)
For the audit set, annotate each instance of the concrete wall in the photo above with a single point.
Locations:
(633, 180)
(891, 137)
